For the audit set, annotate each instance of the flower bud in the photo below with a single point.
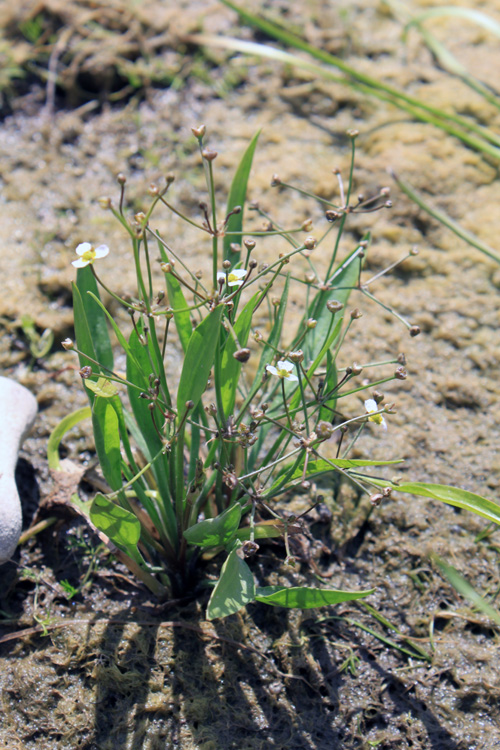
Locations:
(121, 179)
(235, 247)
(356, 313)
(307, 225)
(153, 189)
(249, 244)
(414, 251)
(352, 133)
(252, 263)
(400, 373)
(414, 331)
(378, 397)
(297, 356)
(209, 154)
(310, 277)
(324, 430)
(376, 499)
(67, 344)
(401, 359)
(199, 132)
(85, 372)
(310, 243)
(104, 202)
(169, 178)
(275, 180)
(356, 368)
(311, 323)
(226, 265)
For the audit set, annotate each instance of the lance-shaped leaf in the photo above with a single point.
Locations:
(198, 360)
(235, 588)
(214, 532)
(304, 597)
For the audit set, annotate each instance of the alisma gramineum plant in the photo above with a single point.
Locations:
(203, 463)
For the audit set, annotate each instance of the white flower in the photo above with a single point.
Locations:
(371, 407)
(283, 370)
(236, 277)
(88, 253)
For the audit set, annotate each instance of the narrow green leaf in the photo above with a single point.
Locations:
(85, 281)
(199, 359)
(177, 301)
(60, 430)
(330, 383)
(288, 475)
(214, 532)
(466, 590)
(237, 195)
(469, 14)
(230, 367)
(138, 365)
(481, 506)
(344, 280)
(235, 588)
(82, 332)
(303, 597)
(107, 441)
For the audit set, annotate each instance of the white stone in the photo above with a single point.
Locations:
(18, 408)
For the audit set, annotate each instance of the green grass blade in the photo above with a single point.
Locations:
(470, 15)
(237, 195)
(470, 238)
(466, 590)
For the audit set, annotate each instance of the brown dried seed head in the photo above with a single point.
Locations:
(334, 305)
(242, 355)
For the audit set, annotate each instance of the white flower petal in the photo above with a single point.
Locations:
(272, 369)
(83, 247)
(371, 405)
(285, 365)
(221, 276)
(101, 251)
(79, 263)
